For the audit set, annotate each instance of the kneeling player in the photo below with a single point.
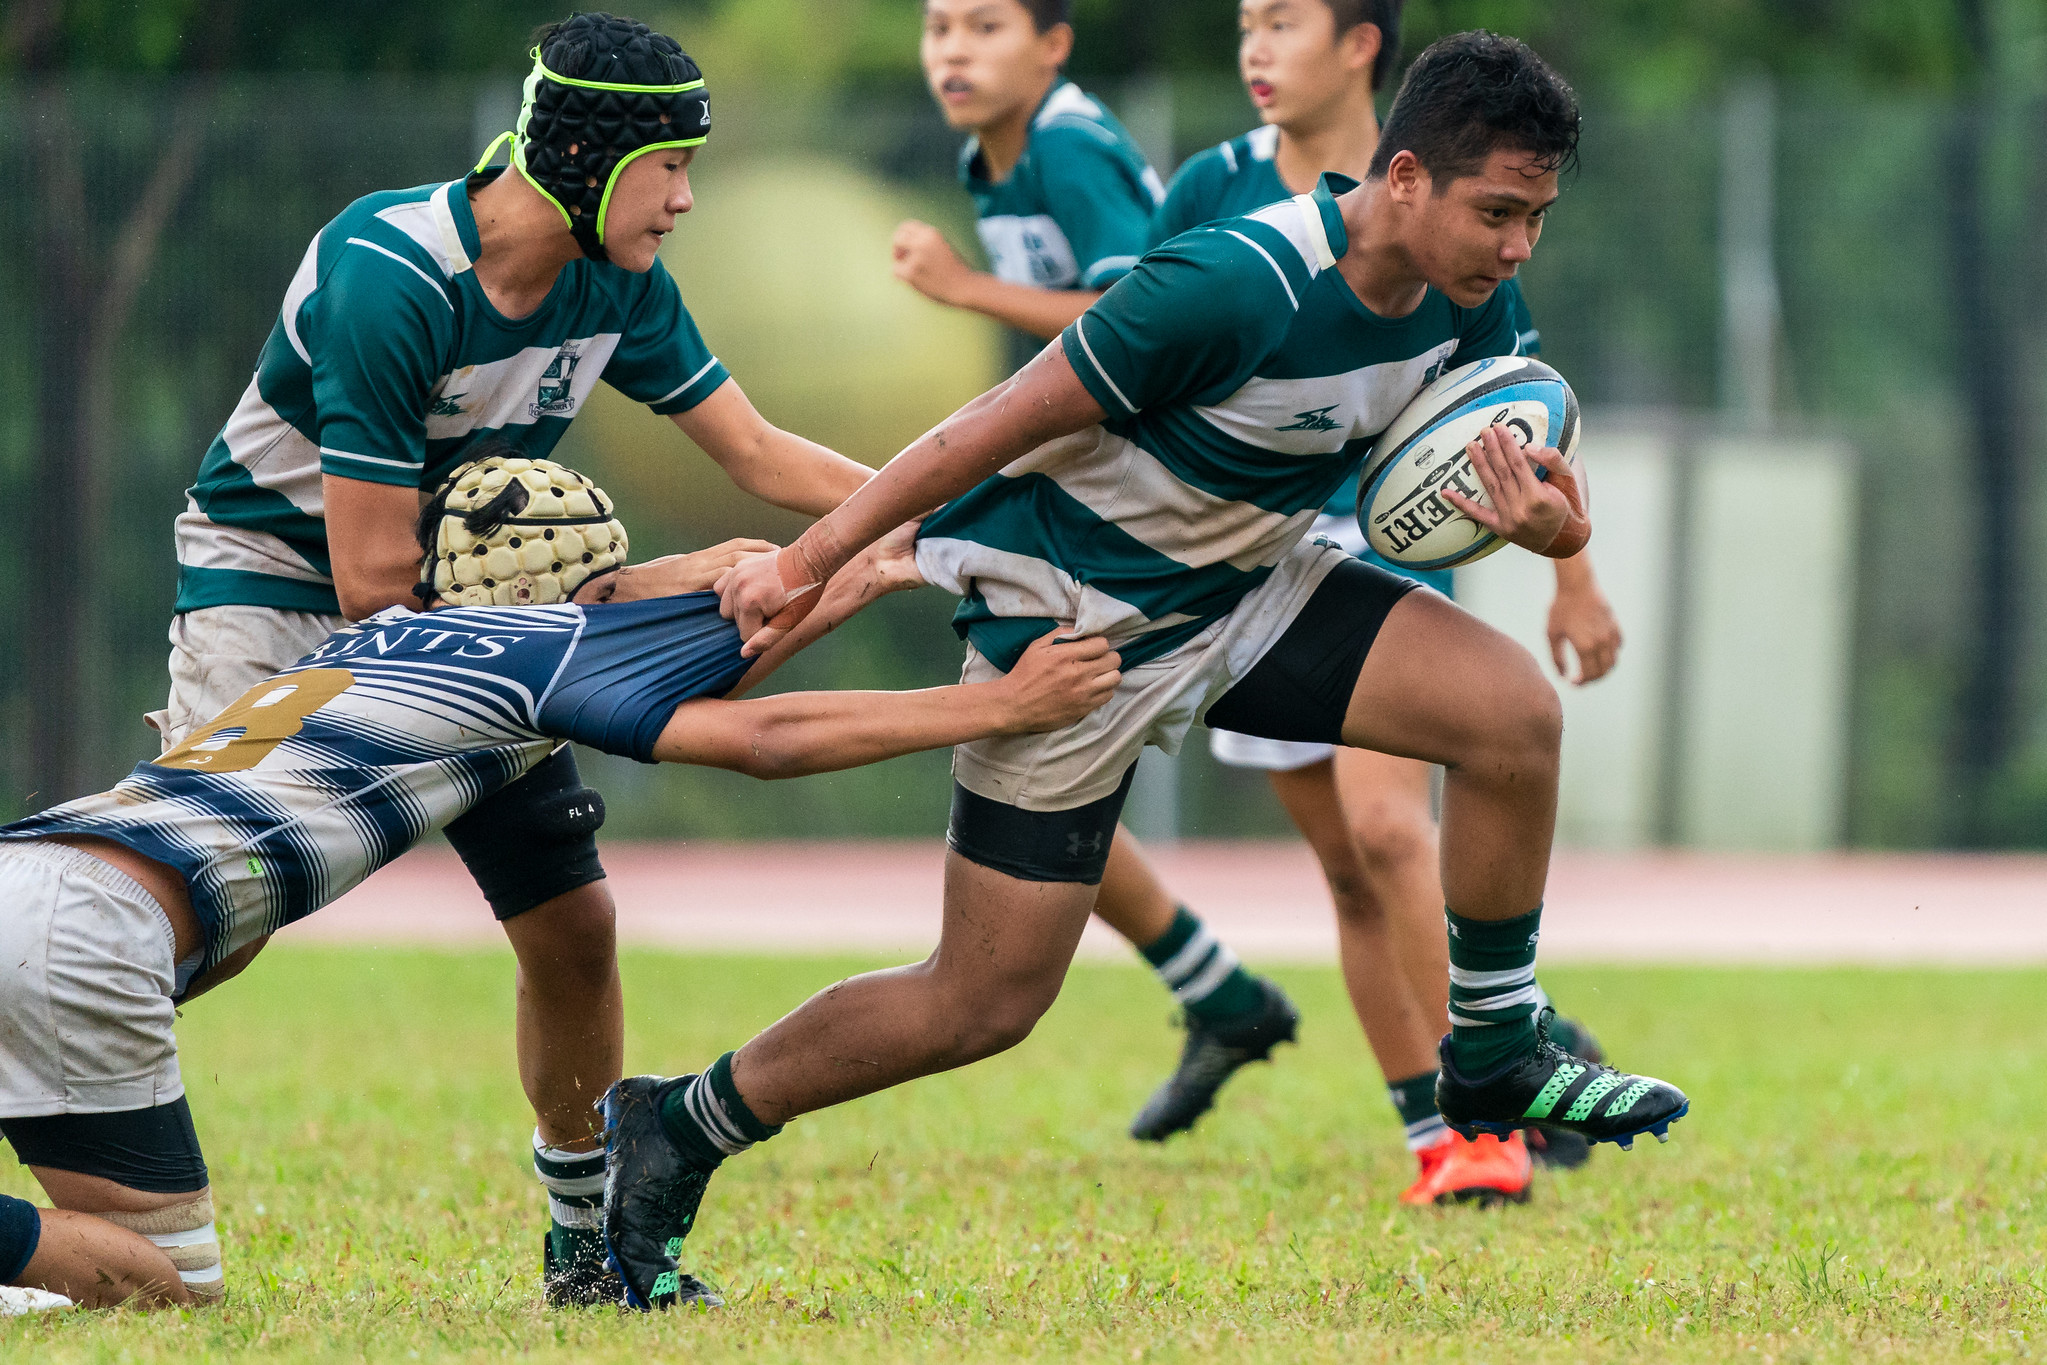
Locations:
(119, 906)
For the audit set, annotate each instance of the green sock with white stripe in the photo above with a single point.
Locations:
(1201, 971)
(575, 1201)
(1493, 995)
(705, 1117)
(1415, 1099)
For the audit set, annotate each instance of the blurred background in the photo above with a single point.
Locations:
(1798, 285)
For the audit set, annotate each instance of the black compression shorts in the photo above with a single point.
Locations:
(1302, 687)
(145, 1149)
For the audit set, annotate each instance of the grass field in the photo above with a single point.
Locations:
(1863, 1177)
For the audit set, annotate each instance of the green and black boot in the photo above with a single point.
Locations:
(1549, 1088)
(1553, 1147)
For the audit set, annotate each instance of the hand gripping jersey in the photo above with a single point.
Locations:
(1075, 210)
(1242, 175)
(320, 775)
(1244, 382)
(388, 363)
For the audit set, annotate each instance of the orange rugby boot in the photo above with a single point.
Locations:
(1484, 1170)
(1429, 1158)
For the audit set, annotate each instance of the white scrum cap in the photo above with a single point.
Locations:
(515, 532)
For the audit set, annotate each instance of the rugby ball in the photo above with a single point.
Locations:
(1401, 507)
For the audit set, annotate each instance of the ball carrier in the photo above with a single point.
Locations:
(1146, 479)
(421, 323)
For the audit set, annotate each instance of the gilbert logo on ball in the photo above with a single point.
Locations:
(1401, 507)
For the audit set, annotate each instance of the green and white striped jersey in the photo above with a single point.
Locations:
(1076, 208)
(1244, 382)
(387, 363)
(1235, 177)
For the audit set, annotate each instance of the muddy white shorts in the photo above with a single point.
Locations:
(218, 653)
(86, 980)
(1156, 703)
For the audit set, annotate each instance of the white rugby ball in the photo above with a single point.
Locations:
(1401, 507)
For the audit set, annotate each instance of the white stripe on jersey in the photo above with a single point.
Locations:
(1367, 401)
(438, 287)
(1120, 481)
(303, 282)
(503, 393)
(205, 544)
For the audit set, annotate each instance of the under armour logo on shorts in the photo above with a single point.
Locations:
(1076, 846)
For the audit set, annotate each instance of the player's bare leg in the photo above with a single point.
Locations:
(106, 1245)
(1376, 946)
(1233, 1017)
(1442, 687)
(1387, 805)
(1133, 901)
(1002, 955)
(1398, 1026)
(1001, 958)
(571, 1011)
(571, 1045)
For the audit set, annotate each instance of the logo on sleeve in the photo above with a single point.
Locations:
(447, 405)
(555, 381)
(1316, 420)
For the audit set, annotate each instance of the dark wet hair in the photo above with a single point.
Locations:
(1472, 94)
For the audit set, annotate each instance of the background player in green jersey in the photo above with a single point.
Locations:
(421, 323)
(1064, 202)
(1312, 69)
(1146, 480)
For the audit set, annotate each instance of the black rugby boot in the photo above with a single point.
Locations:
(1213, 1054)
(1553, 1147)
(651, 1194)
(1556, 1091)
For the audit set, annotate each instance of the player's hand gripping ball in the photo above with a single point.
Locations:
(1401, 507)
(516, 532)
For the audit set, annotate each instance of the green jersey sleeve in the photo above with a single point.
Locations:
(1191, 323)
(375, 333)
(661, 359)
(1095, 191)
(1190, 198)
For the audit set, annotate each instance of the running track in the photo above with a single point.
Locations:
(1267, 899)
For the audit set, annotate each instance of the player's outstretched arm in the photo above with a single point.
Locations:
(774, 465)
(1054, 684)
(889, 565)
(1041, 402)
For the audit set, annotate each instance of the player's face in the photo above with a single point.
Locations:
(1292, 61)
(1475, 234)
(651, 193)
(985, 59)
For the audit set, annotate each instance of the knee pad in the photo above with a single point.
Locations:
(533, 840)
(21, 1232)
(185, 1233)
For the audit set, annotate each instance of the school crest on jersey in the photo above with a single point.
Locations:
(556, 380)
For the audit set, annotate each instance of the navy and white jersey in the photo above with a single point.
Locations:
(320, 775)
